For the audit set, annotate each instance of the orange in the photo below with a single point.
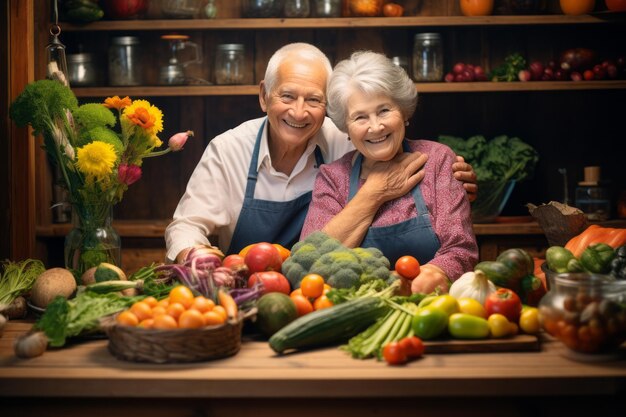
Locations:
(212, 318)
(297, 291)
(312, 285)
(151, 301)
(164, 322)
(175, 310)
(221, 311)
(191, 319)
(142, 310)
(158, 310)
(284, 252)
(577, 7)
(245, 250)
(322, 302)
(303, 305)
(476, 7)
(164, 302)
(202, 304)
(127, 318)
(183, 295)
(147, 323)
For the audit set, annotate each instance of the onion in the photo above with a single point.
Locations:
(31, 345)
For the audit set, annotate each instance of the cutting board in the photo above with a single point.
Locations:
(522, 342)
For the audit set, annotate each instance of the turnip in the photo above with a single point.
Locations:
(53, 282)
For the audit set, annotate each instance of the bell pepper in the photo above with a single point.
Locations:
(597, 258)
(613, 237)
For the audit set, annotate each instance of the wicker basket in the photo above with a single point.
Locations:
(178, 345)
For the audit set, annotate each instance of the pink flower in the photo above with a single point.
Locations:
(177, 141)
(128, 174)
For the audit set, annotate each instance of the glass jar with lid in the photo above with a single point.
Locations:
(124, 61)
(230, 64)
(82, 70)
(427, 57)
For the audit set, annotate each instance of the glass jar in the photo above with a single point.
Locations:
(82, 71)
(93, 239)
(427, 57)
(230, 64)
(326, 8)
(262, 8)
(124, 61)
(401, 62)
(297, 8)
(585, 311)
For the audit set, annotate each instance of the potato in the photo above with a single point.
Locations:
(53, 282)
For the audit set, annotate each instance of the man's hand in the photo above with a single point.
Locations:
(392, 179)
(465, 173)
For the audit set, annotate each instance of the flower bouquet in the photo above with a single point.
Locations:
(99, 149)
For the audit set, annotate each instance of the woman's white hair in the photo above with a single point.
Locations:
(372, 74)
(299, 50)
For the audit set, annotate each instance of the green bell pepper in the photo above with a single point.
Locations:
(597, 258)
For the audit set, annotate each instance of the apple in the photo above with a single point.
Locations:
(235, 263)
(272, 282)
(263, 257)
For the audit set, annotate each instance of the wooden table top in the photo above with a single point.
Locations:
(87, 369)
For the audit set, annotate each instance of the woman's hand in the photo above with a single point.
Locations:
(388, 180)
(465, 173)
(430, 278)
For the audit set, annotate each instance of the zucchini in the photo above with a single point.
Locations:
(114, 286)
(335, 324)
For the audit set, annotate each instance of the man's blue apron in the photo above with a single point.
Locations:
(269, 221)
(414, 236)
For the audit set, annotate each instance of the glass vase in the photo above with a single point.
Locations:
(93, 239)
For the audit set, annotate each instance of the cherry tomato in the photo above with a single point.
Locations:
(505, 302)
(529, 320)
(412, 345)
(408, 267)
(394, 354)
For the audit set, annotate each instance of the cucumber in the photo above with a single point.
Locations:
(113, 286)
(335, 324)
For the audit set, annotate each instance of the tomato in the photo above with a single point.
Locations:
(466, 326)
(408, 267)
(303, 305)
(125, 9)
(499, 326)
(284, 252)
(263, 257)
(529, 320)
(429, 322)
(272, 282)
(577, 7)
(412, 345)
(312, 285)
(616, 5)
(505, 302)
(470, 306)
(234, 261)
(322, 302)
(393, 10)
(476, 7)
(394, 354)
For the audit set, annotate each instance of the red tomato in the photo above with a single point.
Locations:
(408, 267)
(394, 354)
(233, 261)
(263, 257)
(505, 302)
(616, 5)
(272, 282)
(412, 346)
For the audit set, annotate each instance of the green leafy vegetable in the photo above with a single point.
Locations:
(79, 316)
(510, 69)
(18, 278)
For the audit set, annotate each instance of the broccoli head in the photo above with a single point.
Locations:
(375, 264)
(340, 268)
(299, 262)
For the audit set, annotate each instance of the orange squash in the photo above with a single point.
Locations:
(613, 237)
(577, 7)
(476, 7)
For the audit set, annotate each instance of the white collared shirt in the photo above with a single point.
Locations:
(214, 195)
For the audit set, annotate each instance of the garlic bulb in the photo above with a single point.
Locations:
(474, 284)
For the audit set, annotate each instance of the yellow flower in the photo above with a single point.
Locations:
(96, 160)
(117, 103)
(155, 142)
(144, 115)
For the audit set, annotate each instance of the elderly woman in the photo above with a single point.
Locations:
(372, 100)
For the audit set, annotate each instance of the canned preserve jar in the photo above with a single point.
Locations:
(427, 57)
(230, 64)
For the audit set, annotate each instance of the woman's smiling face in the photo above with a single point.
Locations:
(375, 126)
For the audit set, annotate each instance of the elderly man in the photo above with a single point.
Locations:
(253, 183)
